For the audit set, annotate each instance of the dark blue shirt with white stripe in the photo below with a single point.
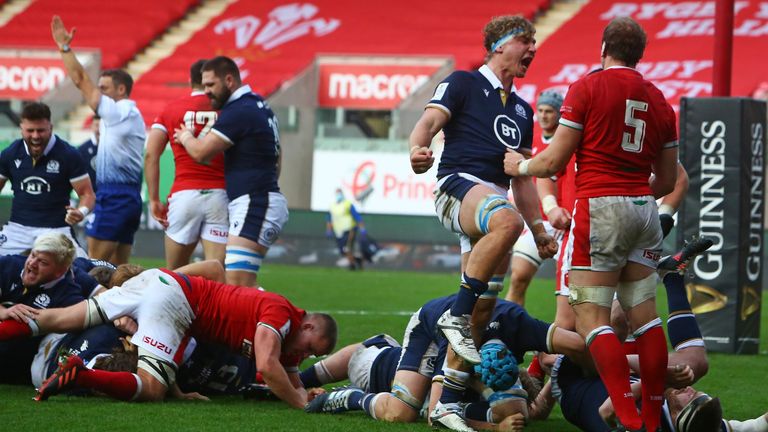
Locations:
(41, 189)
(249, 125)
(61, 293)
(481, 129)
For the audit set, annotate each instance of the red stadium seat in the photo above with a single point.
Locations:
(402, 28)
(118, 29)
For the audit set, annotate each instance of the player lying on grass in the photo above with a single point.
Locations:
(584, 400)
(170, 307)
(424, 353)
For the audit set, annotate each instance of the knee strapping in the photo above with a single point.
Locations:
(631, 294)
(94, 315)
(599, 295)
(490, 205)
(477, 286)
(495, 286)
(240, 258)
(162, 370)
(401, 392)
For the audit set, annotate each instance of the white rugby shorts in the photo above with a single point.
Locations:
(158, 305)
(16, 238)
(198, 213)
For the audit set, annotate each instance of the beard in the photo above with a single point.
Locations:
(218, 100)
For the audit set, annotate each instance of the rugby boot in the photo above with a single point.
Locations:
(456, 330)
(680, 261)
(62, 379)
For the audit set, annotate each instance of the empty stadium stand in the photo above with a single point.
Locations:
(118, 29)
(273, 40)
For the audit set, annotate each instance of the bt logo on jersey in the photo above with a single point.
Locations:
(507, 131)
(35, 185)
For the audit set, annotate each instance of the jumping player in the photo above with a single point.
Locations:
(482, 118)
(621, 130)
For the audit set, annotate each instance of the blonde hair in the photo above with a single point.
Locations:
(58, 245)
(501, 26)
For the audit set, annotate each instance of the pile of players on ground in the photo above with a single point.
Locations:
(389, 381)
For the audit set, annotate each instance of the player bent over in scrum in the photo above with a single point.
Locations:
(171, 307)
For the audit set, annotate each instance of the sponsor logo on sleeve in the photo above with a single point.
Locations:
(440, 91)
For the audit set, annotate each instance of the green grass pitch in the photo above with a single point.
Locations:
(364, 303)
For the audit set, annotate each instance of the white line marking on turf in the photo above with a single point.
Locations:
(366, 312)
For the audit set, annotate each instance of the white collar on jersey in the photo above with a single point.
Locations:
(197, 93)
(47, 285)
(238, 93)
(492, 78)
(622, 67)
(48, 147)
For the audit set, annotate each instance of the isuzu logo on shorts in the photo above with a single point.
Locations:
(507, 131)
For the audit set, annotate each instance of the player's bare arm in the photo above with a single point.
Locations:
(267, 352)
(156, 141)
(84, 191)
(201, 150)
(209, 269)
(75, 70)
(430, 123)
(527, 202)
(550, 161)
(664, 172)
(558, 217)
(176, 392)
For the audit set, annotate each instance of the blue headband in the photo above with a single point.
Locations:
(507, 37)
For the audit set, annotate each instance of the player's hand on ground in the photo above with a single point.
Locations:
(159, 211)
(193, 396)
(546, 245)
(18, 312)
(421, 159)
(512, 423)
(60, 34)
(314, 392)
(680, 376)
(559, 218)
(512, 161)
(126, 324)
(178, 394)
(74, 216)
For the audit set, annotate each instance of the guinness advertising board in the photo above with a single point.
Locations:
(722, 146)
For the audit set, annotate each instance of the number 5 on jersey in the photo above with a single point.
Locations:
(634, 142)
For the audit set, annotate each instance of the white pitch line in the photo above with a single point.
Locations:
(365, 312)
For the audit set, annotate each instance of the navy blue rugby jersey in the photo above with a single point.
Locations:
(480, 129)
(519, 331)
(250, 163)
(41, 190)
(60, 293)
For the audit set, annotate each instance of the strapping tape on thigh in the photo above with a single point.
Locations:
(599, 295)
(490, 205)
(400, 391)
(242, 259)
(162, 370)
(631, 294)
